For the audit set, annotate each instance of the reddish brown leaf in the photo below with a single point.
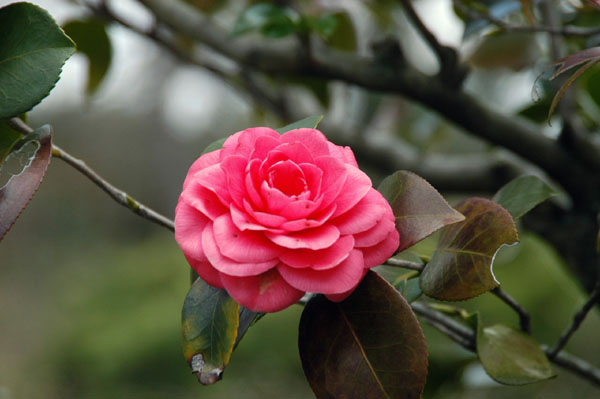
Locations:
(15, 194)
(461, 266)
(575, 59)
(370, 346)
(419, 209)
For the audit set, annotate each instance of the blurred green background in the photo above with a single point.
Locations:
(90, 294)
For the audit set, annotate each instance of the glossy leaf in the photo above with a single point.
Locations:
(33, 50)
(369, 346)
(22, 185)
(92, 41)
(310, 122)
(271, 20)
(461, 266)
(210, 321)
(511, 357)
(522, 194)
(419, 209)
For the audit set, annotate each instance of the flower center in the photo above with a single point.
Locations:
(288, 178)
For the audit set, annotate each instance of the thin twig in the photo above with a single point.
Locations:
(118, 195)
(576, 323)
(447, 56)
(405, 264)
(508, 27)
(524, 318)
(465, 337)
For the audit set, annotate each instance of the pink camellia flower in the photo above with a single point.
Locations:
(269, 217)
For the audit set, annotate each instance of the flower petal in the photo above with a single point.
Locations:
(243, 246)
(203, 162)
(344, 154)
(295, 151)
(267, 292)
(234, 168)
(253, 184)
(331, 281)
(263, 145)
(189, 223)
(243, 143)
(206, 272)
(376, 234)
(229, 266)
(312, 139)
(356, 186)
(204, 200)
(314, 220)
(334, 177)
(317, 238)
(364, 215)
(379, 253)
(214, 179)
(320, 259)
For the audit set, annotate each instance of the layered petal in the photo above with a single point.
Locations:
(243, 143)
(267, 292)
(203, 162)
(331, 281)
(312, 139)
(229, 266)
(317, 238)
(243, 246)
(319, 259)
(356, 185)
(379, 253)
(364, 215)
(206, 272)
(189, 224)
(376, 234)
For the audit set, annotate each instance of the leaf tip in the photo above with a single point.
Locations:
(206, 375)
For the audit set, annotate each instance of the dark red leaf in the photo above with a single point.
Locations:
(15, 194)
(370, 346)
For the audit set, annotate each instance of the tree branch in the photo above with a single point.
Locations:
(465, 337)
(118, 195)
(451, 72)
(285, 57)
(524, 318)
(576, 323)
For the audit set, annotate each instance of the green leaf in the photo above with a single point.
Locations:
(310, 123)
(419, 209)
(8, 139)
(93, 41)
(522, 194)
(33, 50)
(409, 286)
(461, 266)
(32, 153)
(209, 327)
(215, 145)
(510, 356)
(368, 346)
(271, 20)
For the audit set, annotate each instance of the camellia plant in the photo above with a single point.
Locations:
(273, 218)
